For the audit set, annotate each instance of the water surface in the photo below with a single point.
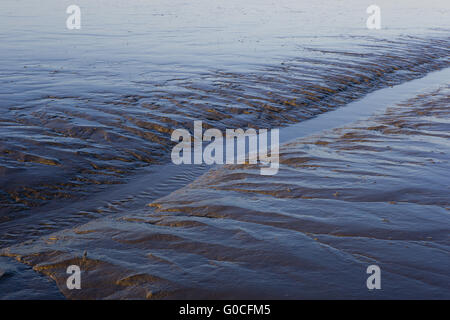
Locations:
(86, 115)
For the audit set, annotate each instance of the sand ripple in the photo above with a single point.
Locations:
(373, 192)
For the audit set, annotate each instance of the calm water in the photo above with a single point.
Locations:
(86, 114)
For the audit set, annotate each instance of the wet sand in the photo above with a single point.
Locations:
(85, 126)
(373, 192)
(83, 112)
(61, 150)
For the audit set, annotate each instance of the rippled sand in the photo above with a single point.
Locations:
(83, 111)
(62, 148)
(85, 122)
(373, 192)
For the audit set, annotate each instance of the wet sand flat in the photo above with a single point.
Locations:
(59, 149)
(373, 192)
(86, 118)
(82, 112)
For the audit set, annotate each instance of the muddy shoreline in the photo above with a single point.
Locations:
(61, 150)
(85, 170)
(373, 192)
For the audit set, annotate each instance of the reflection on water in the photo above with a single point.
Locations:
(374, 192)
(83, 111)
(86, 115)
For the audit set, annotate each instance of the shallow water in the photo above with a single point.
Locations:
(82, 110)
(372, 192)
(86, 115)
